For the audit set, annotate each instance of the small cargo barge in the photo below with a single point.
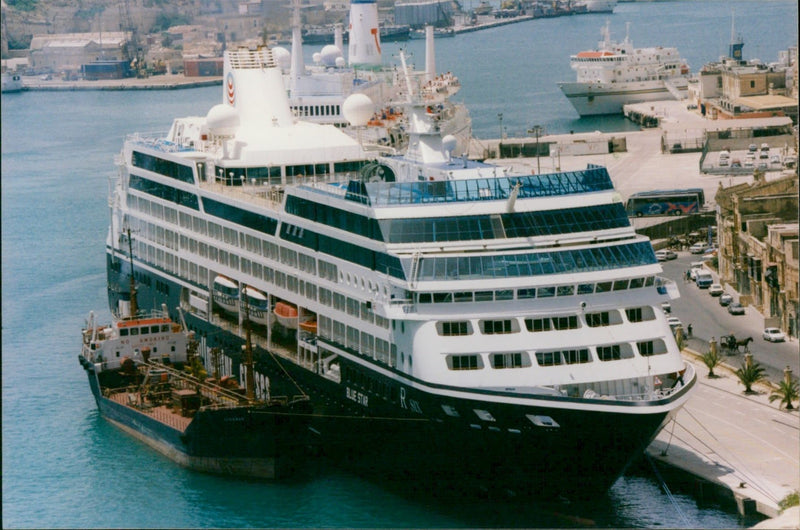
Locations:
(147, 380)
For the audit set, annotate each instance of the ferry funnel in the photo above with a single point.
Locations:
(364, 49)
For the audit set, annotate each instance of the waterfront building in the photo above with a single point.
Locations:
(68, 51)
(732, 88)
(758, 242)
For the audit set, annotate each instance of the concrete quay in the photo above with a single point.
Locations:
(156, 82)
(740, 445)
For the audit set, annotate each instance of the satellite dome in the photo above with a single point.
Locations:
(449, 143)
(358, 109)
(330, 54)
(283, 57)
(317, 57)
(340, 62)
(222, 120)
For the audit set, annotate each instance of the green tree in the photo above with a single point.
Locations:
(749, 374)
(711, 359)
(787, 392)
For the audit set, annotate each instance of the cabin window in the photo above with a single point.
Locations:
(586, 288)
(134, 331)
(510, 360)
(526, 293)
(154, 329)
(595, 320)
(568, 322)
(549, 358)
(651, 347)
(609, 353)
(464, 362)
(494, 327)
(566, 290)
(580, 356)
(450, 329)
(634, 314)
(537, 324)
(546, 292)
(123, 332)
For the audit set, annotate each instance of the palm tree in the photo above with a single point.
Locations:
(749, 374)
(711, 359)
(787, 391)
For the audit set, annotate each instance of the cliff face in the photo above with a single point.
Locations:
(24, 18)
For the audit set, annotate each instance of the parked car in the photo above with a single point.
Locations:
(736, 163)
(775, 159)
(703, 279)
(674, 323)
(715, 289)
(665, 254)
(698, 248)
(666, 307)
(725, 299)
(752, 148)
(790, 161)
(773, 335)
(735, 308)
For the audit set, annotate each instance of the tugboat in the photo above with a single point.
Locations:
(148, 380)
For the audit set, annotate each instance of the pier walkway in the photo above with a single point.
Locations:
(740, 444)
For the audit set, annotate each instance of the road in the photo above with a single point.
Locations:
(709, 319)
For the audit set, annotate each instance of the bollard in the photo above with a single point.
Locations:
(748, 360)
(787, 375)
(712, 345)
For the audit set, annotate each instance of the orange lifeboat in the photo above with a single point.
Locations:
(286, 314)
(310, 326)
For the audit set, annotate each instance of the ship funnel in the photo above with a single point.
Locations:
(254, 87)
(430, 55)
(364, 48)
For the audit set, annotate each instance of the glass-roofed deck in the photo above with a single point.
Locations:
(593, 178)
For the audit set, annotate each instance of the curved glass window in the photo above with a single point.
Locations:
(535, 264)
(593, 178)
(163, 167)
(162, 191)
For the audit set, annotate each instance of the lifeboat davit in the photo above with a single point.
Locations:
(286, 314)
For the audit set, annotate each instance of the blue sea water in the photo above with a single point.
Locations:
(65, 467)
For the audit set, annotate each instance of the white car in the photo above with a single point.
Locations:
(665, 254)
(698, 248)
(715, 289)
(674, 323)
(773, 335)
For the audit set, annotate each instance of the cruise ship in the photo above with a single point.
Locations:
(447, 318)
(317, 91)
(616, 74)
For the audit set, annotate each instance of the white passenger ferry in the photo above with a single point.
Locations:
(452, 319)
(616, 74)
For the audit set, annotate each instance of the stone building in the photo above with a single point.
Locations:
(68, 51)
(737, 89)
(758, 241)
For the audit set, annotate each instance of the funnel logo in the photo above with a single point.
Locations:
(229, 90)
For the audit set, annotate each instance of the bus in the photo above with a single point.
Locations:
(665, 202)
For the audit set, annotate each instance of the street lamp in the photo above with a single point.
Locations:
(537, 130)
(500, 119)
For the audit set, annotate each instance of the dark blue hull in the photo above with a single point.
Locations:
(379, 420)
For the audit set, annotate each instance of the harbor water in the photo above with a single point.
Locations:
(66, 467)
